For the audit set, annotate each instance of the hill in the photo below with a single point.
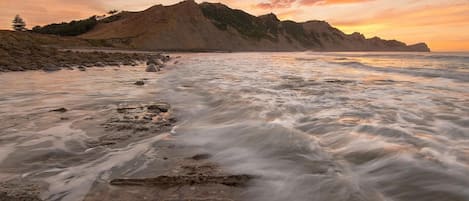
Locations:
(188, 26)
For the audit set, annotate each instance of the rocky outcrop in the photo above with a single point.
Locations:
(189, 26)
(25, 51)
(19, 190)
(168, 181)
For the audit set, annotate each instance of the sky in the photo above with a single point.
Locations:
(442, 24)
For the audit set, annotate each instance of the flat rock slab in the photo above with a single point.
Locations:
(138, 118)
(135, 121)
(170, 181)
(18, 191)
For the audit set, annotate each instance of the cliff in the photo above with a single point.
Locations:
(188, 26)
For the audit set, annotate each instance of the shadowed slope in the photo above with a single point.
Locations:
(189, 26)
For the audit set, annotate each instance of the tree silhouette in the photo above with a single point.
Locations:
(112, 12)
(19, 24)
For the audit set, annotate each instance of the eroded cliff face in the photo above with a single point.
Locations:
(188, 26)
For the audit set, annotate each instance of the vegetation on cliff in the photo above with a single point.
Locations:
(73, 28)
(246, 24)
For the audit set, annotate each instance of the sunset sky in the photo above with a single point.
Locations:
(442, 24)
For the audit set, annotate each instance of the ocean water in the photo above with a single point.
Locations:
(310, 126)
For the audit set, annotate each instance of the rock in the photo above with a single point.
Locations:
(152, 68)
(99, 64)
(82, 68)
(62, 109)
(128, 63)
(166, 58)
(50, 68)
(159, 107)
(201, 156)
(139, 83)
(18, 191)
(153, 117)
(88, 65)
(170, 181)
(114, 64)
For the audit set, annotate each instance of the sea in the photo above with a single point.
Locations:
(338, 126)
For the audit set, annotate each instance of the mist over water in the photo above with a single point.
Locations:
(331, 126)
(309, 126)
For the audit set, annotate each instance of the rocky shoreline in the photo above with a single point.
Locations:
(19, 53)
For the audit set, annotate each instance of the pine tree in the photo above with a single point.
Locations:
(19, 24)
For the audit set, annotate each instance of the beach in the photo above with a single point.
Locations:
(240, 126)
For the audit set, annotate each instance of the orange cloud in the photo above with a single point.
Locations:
(272, 4)
(325, 2)
(275, 4)
(289, 14)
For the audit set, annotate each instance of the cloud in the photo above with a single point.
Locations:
(326, 2)
(289, 14)
(276, 4)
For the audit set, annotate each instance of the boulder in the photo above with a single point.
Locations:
(165, 58)
(50, 68)
(139, 83)
(152, 68)
(62, 110)
(159, 107)
(99, 64)
(82, 68)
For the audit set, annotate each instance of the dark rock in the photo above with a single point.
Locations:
(88, 65)
(201, 156)
(166, 58)
(19, 191)
(128, 63)
(159, 107)
(170, 181)
(62, 109)
(81, 68)
(113, 64)
(139, 83)
(50, 68)
(336, 81)
(99, 64)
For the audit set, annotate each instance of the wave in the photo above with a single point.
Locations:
(448, 73)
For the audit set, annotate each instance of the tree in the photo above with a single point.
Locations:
(112, 12)
(19, 24)
(36, 28)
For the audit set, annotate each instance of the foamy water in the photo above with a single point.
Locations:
(311, 126)
(331, 126)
